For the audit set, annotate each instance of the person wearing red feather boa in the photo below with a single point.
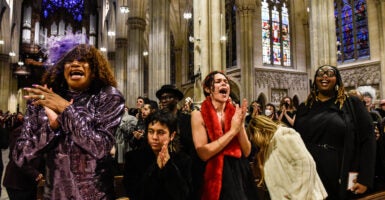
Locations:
(221, 141)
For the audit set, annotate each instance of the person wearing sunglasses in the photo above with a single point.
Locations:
(338, 132)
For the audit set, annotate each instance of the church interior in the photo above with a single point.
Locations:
(269, 48)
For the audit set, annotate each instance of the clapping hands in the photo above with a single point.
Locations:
(163, 156)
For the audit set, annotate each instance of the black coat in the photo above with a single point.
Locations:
(144, 180)
(21, 178)
(338, 143)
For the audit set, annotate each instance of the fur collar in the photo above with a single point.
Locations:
(214, 167)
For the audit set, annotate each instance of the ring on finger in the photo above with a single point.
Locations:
(42, 97)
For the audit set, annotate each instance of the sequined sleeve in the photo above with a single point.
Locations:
(36, 135)
(93, 130)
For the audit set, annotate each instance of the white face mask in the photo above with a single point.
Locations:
(268, 112)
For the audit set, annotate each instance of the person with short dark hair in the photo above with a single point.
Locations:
(169, 96)
(158, 171)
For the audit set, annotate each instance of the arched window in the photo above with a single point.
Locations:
(351, 29)
(276, 32)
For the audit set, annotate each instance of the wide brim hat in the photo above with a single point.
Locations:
(170, 89)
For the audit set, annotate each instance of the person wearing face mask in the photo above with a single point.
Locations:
(270, 112)
(338, 132)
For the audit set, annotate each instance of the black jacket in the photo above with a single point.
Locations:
(338, 142)
(144, 180)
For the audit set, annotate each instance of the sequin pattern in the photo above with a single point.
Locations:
(77, 154)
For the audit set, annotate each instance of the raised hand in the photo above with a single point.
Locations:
(163, 156)
(238, 120)
(44, 96)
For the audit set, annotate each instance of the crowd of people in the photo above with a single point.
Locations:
(77, 134)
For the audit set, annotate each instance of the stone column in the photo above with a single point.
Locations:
(322, 34)
(120, 69)
(135, 64)
(178, 67)
(245, 14)
(159, 46)
(380, 4)
(209, 53)
(5, 82)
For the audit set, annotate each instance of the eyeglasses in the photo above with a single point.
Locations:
(166, 97)
(329, 72)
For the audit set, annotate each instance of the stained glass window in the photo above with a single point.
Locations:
(351, 29)
(275, 32)
(74, 7)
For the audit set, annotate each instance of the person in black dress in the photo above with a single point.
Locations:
(338, 132)
(221, 141)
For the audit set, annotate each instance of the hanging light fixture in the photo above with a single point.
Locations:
(124, 8)
(21, 69)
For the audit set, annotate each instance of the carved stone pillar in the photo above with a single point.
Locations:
(178, 67)
(135, 64)
(322, 34)
(120, 70)
(380, 4)
(5, 82)
(159, 45)
(209, 52)
(245, 14)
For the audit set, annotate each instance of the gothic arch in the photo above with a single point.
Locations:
(235, 92)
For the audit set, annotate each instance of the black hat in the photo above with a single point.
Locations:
(169, 89)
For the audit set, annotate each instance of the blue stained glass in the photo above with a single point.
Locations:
(351, 29)
(75, 7)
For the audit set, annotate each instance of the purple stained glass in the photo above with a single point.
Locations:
(351, 29)
(75, 7)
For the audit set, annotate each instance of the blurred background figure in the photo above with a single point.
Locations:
(287, 111)
(21, 182)
(270, 112)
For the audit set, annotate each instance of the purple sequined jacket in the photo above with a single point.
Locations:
(77, 155)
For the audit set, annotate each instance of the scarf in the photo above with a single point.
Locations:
(214, 168)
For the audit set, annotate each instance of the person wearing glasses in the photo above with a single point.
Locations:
(338, 132)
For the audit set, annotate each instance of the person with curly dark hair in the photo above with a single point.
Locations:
(337, 130)
(70, 121)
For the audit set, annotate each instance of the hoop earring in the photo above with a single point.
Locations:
(336, 88)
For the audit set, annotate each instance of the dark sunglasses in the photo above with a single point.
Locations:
(329, 72)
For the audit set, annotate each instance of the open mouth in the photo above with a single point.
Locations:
(76, 74)
(223, 91)
(324, 82)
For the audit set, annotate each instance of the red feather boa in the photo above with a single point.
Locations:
(214, 167)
